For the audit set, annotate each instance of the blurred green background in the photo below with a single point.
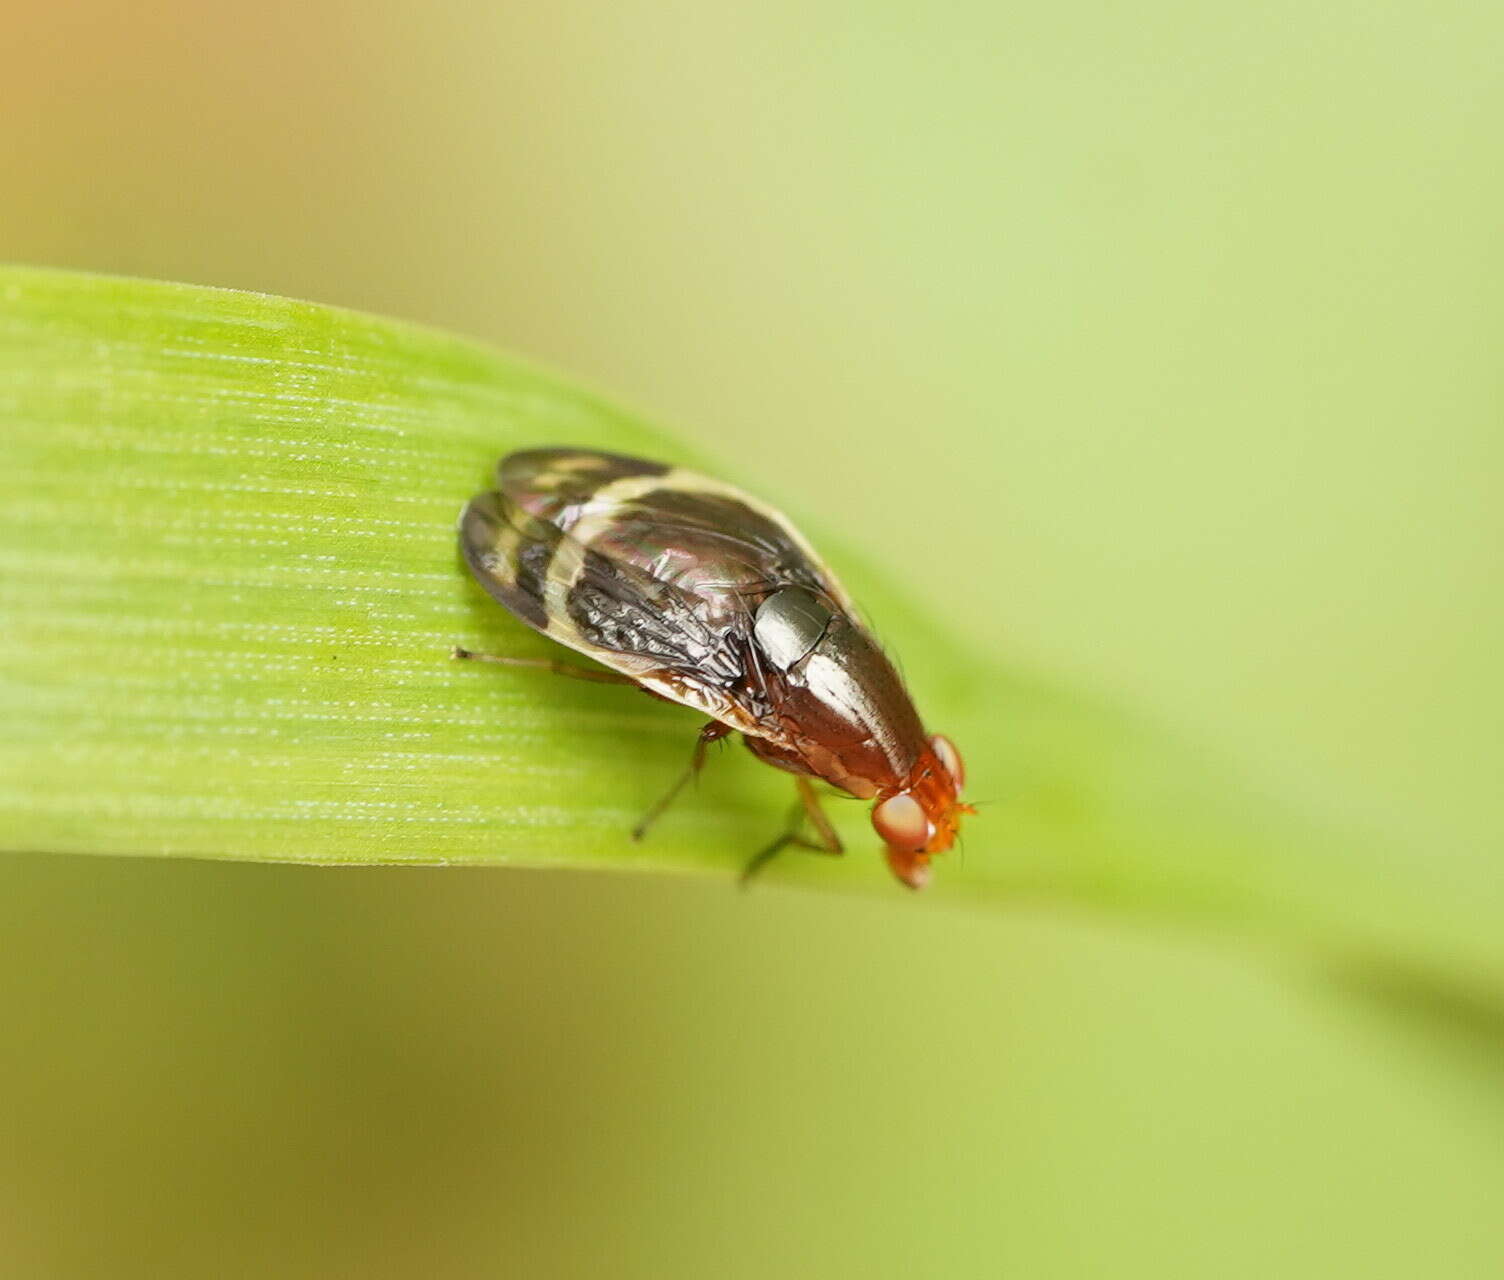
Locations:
(1154, 346)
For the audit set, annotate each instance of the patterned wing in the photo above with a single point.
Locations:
(656, 572)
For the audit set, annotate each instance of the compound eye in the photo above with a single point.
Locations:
(945, 749)
(901, 822)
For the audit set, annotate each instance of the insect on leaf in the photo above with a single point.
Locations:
(230, 585)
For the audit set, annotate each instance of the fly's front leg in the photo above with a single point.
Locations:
(712, 732)
(545, 664)
(808, 807)
(809, 800)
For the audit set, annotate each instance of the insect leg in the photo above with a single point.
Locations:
(808, 806)
(546, 664)
(712, 732)
(809, 800)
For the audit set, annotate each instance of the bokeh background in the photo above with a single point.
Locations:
(1153, 345)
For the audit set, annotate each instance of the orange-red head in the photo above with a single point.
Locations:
(921, 817)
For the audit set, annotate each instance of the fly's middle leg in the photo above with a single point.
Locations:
(712, 732)
(806, 809)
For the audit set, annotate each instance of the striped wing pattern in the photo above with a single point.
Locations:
(656, 572)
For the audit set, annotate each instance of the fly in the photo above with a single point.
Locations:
(695, 592)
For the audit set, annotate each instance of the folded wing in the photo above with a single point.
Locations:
(653, 571)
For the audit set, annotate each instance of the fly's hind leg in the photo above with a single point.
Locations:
(712, 732)
(546, 664)
(808, 807)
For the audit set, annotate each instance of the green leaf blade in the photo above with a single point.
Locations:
(229, 586)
